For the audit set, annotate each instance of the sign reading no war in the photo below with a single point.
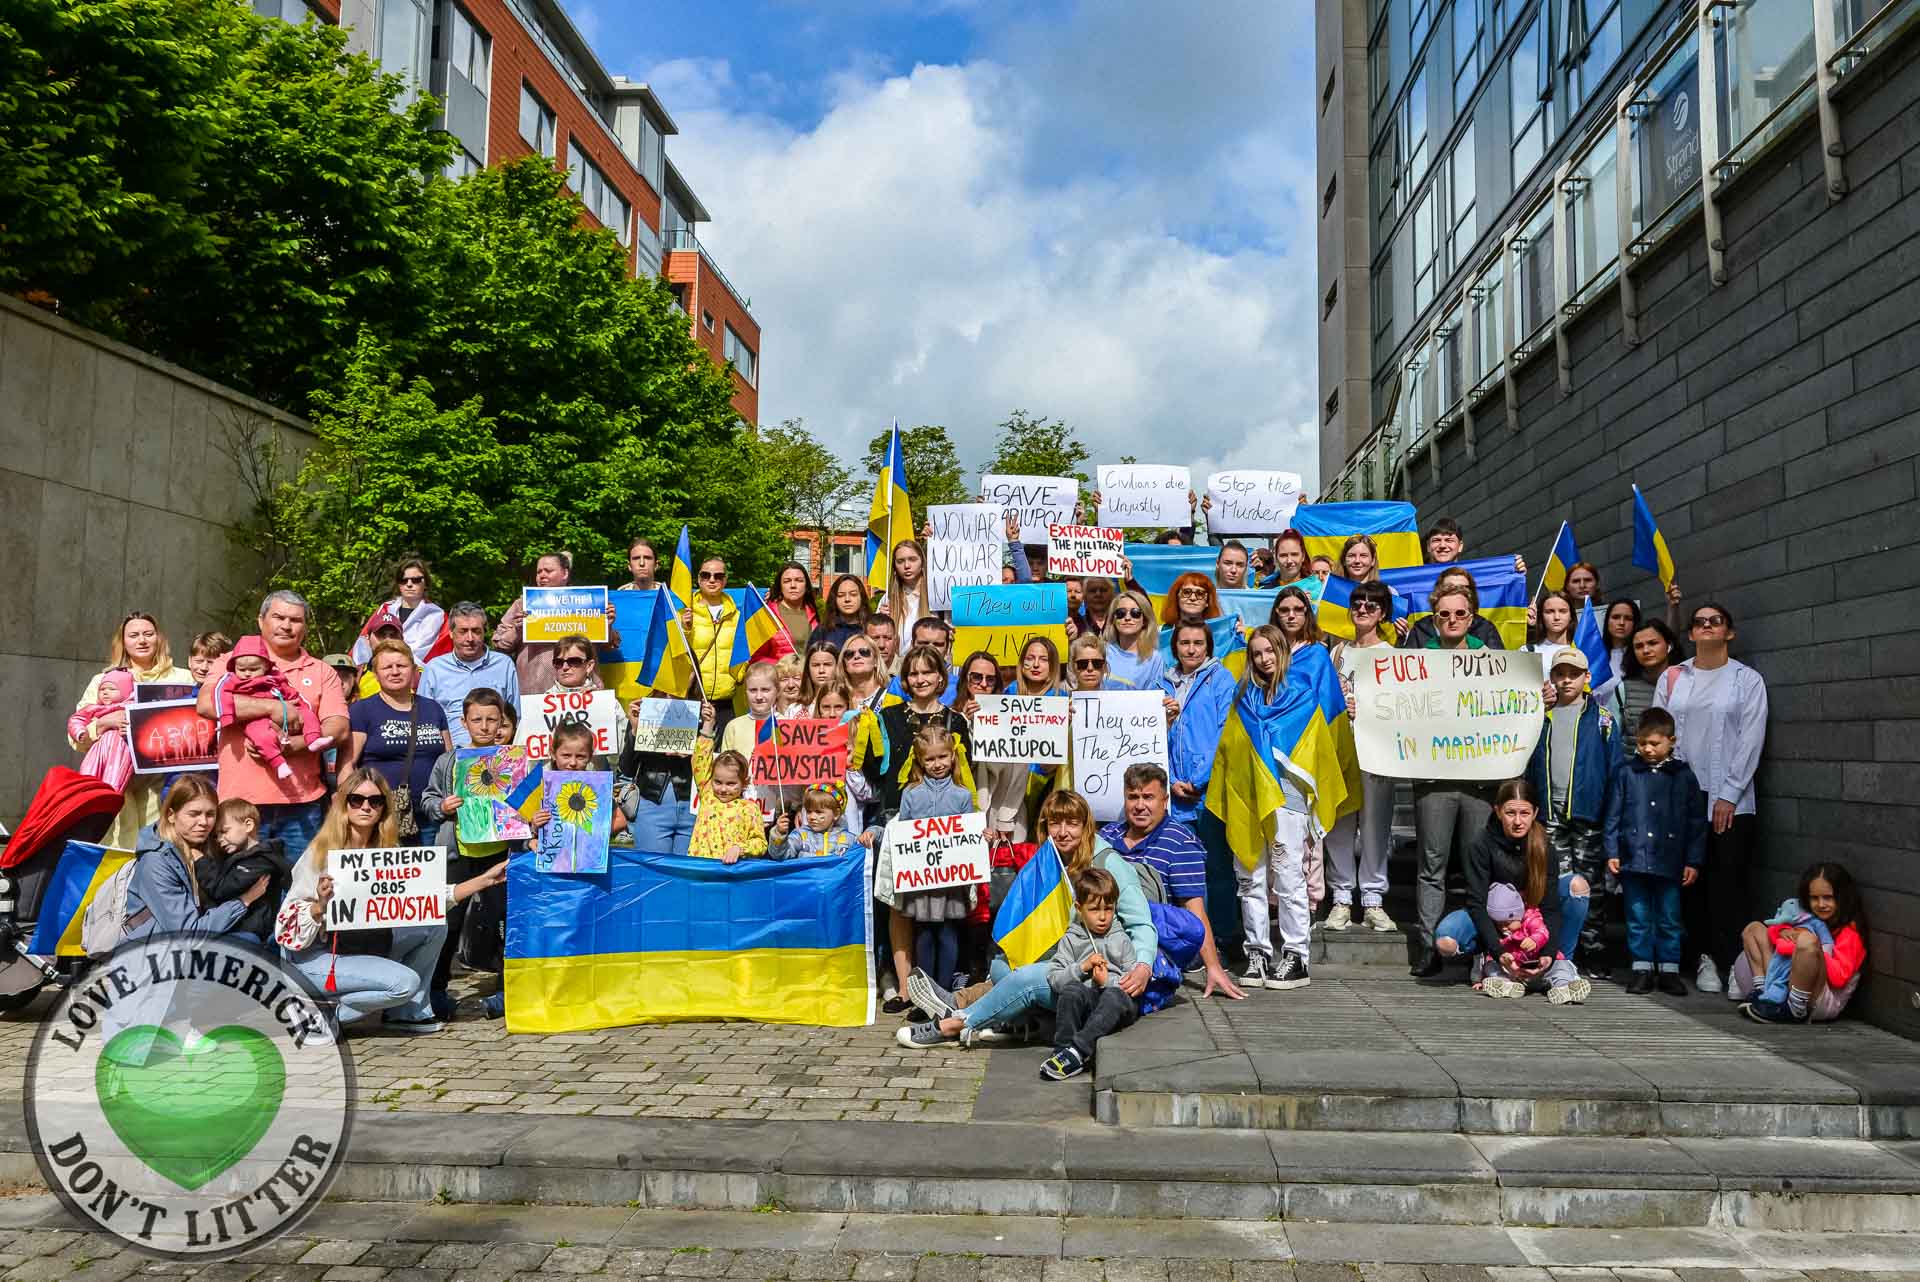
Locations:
(1446, 714)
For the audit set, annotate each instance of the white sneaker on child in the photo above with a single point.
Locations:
(1707, 979)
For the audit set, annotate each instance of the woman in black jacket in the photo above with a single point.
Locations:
(1513, 848)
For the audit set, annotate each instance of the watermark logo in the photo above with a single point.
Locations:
(189, 1098)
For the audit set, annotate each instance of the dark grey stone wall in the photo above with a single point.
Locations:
(1773, 423)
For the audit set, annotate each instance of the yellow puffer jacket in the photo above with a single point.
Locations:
(712, 642)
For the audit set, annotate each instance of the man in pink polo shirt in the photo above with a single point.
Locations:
(291, 808)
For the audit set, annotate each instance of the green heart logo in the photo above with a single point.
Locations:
(190, 1112)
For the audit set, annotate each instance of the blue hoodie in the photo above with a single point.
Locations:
(1195, 734)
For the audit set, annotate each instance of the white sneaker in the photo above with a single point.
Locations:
(1570, 994)
(1501, 986)
(984, 1036)
(1377, 919)
(1707, 979)
(1341, 918)
(1255, 974)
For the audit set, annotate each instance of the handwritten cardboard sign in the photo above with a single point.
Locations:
(599, 710)
(967, 548)
(1074, 551)
(1252, 502)
(938, 854)
(1040, 500)
(801, 752)
(1114, 729)
(1022, 728)
(169, 736)
(553, 613)
(1446, 714)
(1000, 617)
(576, 837)
(379, 889)
(667, 726)
(1138, 496)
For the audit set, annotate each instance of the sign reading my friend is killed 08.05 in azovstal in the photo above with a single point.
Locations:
(379, 888)
(1446, 714)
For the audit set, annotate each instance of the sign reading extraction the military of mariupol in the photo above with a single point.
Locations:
(1021, 728)
(1447, 714)
(1076, 551)
(380, 888)
(939, 853)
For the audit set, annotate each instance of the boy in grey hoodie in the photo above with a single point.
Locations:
(1085, 977)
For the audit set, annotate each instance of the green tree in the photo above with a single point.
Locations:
(934, 474)
(1030, 446)
(814, 489)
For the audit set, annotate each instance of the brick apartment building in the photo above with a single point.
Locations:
(516, 77)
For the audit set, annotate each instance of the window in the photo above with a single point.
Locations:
(1326, 94)
(1593, 225)
(1462, 229)
(706, 318)
(647, 243)
(597, 194)
(743, 357)
(1485, 315)
(1379, 70)
(1764, 55)
(1449, 362)
(465, 51)
(1332, 409)
(1421, 19)
(1467, 28)
(1533, 276)
(1326, 197)
(653, 154)
(1383, 297)
(1332, 300)
(285, 10)
(1414, 129)
(404, 39)
(536, 123)
(1593, 46)
(1385, 172)
(1423, 252)
(1530, 81)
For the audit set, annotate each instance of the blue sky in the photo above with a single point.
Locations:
(1098, 210)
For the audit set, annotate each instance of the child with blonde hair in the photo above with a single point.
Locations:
(730, 827)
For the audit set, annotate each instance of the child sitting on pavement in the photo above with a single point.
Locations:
(1087, 964)
(1523, 931)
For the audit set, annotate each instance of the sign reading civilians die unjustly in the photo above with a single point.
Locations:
(1135, 496)
(1446, 714)
(1040, 500)
(1074, 551)
(1247, 502)
(1114, 729)
(939, 853)
(376, 889)
(1021, 728)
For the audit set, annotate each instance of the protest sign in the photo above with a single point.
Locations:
(170, 735)
(1040, 500)
(575, 838)
(493, 784)
(1248, 502)
(553, 613)
(791, 754)
(967, 547)
(599, 710)
(938, 854)
(1074, 551)
(1114, 729)
(1137, 496)
(1446, 714)
(162, 691)
(667, 726)
(1021, 728)
(378, 889)
(1000, 617)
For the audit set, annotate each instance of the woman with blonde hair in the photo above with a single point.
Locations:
(1134, 661)
(141, 648)
(165, 897)
(399, 978)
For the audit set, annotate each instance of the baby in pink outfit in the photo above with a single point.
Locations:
(1523, 931)
(250, 672)
(110, 759)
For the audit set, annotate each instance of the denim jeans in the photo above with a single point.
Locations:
(1458, 926)
(292, 825)
(397, 984)
(665, 827)
(1013, 993)
(1653, 921)
(1578, 846)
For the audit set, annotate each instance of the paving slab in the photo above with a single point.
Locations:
(477, 1222)
(1175, 1239)
(1352, 1073)
(655, 1144)
(1611, 1248)
(1177, 1069)
(954, 1234)
(428, 1140)
(1582, 1077)
(1786, 1165)
(736, 1230)
(1752, 1079)
(1384, 1158)
(1560, 1161)
(1234, 1157)
(1014, 1091)
(1401, 1244)
(1816, 1253)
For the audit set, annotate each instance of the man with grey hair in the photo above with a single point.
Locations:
(290, 808)
(448, 678)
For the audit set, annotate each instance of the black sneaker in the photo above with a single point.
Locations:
(897, 1005)
(1427, 967)
(1290, 973)
(929, 996)
(1065, 1063)
(1770, 1013)
(1672, 985)
(1641, 984)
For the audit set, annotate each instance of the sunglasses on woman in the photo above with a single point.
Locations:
(981, 678)
(571, 661)
(1127, 612)
(1090, 664)
(856, 654)
(413, 578)
(1709, 621)
(366, 801)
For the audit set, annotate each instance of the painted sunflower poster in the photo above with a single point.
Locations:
(499, 788)
(575, 840)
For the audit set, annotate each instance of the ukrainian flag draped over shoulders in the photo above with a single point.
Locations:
(1303, 735)
(890, 519)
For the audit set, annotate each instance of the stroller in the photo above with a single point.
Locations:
(68, 806)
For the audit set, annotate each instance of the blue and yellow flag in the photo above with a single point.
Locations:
(668, 665)
(1226, 637)
(758, 625)
(890, 518)
(1592, 640)
(1037, 910)
(1335, 617)
(1303, 736)
(1502, 590)
(664, 937)
(1157, 565)
(1393, 526)
(680, 572)
(636, 614)
(1649, 545)
(82, 870)
(1563, 556)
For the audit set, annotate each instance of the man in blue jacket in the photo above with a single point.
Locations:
(1572, 768)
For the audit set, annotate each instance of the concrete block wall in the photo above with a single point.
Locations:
(117, 493)
(1773, 423)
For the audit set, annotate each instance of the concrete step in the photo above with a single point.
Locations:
(1363, 947)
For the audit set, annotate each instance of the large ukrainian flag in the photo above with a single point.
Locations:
(663, 937)
(1394, 527)
(82, 870)
(1303, 735)
(636, 615)
(1502, 590)
(890, 517)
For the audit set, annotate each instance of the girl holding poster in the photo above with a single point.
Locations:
(928, 921)
(906, 595)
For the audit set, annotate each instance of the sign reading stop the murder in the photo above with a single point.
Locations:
(1446, 714)
(379, 889)
(1022, 728)
(1077, 551)
(1251, 502)
(939, 853)
(598, 710)
(1114, 729)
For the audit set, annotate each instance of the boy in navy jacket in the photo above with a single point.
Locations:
(1572, 772)
(1656, 840)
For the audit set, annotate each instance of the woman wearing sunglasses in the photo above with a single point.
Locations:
(866, 678)
(422, 624)
(1719, 708)
(710, 621)
(1133, 643)
(390, 971)
(1087, 664)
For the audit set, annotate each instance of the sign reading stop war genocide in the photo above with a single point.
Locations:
(1247, 502)
(1136, 496)
(1040, 500)
(1447, 714)
(598, 710)
(1114, 729)
(1000, 617)
(940, 853)
(378, 889)
(1075, 551)
(1022, 728)
(553, 613)
(966, 548)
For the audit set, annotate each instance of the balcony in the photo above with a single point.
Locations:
(683, 238)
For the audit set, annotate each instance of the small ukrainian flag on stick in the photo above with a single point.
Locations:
(1649, 545)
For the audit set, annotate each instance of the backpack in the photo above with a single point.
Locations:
(105, 923)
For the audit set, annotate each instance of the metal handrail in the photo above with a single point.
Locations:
(684, 238)
(1730, 164)
(1848, 51)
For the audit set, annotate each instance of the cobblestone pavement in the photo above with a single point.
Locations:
(388, 1243)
